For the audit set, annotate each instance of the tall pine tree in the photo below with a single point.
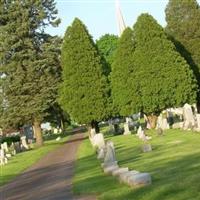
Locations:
(183, 22)
(122, 75)
(155, 76)
(166, 79)
(29, 62)
(84, 91)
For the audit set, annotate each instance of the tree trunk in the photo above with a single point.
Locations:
(152, 119)
(95, 125)
(38, 132)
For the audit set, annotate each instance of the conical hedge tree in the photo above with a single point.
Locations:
(123, 75)
(165, 79)
(84, 91)
(183, 26)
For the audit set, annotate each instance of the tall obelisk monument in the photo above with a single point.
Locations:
(120, 19)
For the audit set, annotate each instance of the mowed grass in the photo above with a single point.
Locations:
(20, 162)
(174, 165)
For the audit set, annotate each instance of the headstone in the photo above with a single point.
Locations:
(139, 179)
(189, 121)
(55, 131)
(58, 138)
(139, 131)
(3, 159)
(101, 153)
(110, 169)
(198, 120)
(92, 132)
(123, 177)
(141, 135)
(98, 140)
(23, 143)
(110, 158)
(17, 147)
(126, 129)
(28, 132)
(146, 148)
(4, 146)
(12, 149)
(119, 171)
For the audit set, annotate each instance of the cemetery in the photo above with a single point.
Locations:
(90, 113)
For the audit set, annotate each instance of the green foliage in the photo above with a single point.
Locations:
(29, 60)
(164, 78)
(183, 22)
(10, 139)
(149, 75)
(107, 45)
(84, 91)
(123, 91)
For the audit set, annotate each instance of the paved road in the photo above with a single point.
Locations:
(48, 179)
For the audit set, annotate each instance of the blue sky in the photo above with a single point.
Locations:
(100, 16)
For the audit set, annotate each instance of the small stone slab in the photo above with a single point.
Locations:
(123, 177)
(119, 171)
(104, 165)
(139, 179)
(110, 169)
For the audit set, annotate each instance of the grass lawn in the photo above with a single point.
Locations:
(174, 165)
(22, 161)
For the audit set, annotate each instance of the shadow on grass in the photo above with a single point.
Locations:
(177, 179)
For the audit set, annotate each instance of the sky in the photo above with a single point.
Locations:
(100, 15)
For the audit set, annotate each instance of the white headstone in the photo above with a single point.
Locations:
(58, 138)
(3, 159)
(198, 120)
(24, 144)
(98, 140)
(189, 120)
(110, 158)
(126, 129)
(5, 146)
(139, 179)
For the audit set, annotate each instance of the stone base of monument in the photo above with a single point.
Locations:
(110, 169)
(119, 171)
(139, 179)
(123, 177)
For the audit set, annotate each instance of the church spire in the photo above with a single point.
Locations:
(120, 19)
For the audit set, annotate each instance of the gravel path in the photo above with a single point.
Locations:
(48, 179)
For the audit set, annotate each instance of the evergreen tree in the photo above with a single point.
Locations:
(122, 75)
(183, 22)
(84, 91)
(165, 78)
(107, 44)
(29, 62)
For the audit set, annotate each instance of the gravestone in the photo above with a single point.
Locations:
(17, 147)
(141, 134)
(189, 121)
(119, 171)
(58, 138)
(12, 149)
(4, 146)
(110, 158)
(198, 120)
(139, 179)
(126, 129)
(24, 145)
(98, 141)
(101, 153)
(3, 159)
